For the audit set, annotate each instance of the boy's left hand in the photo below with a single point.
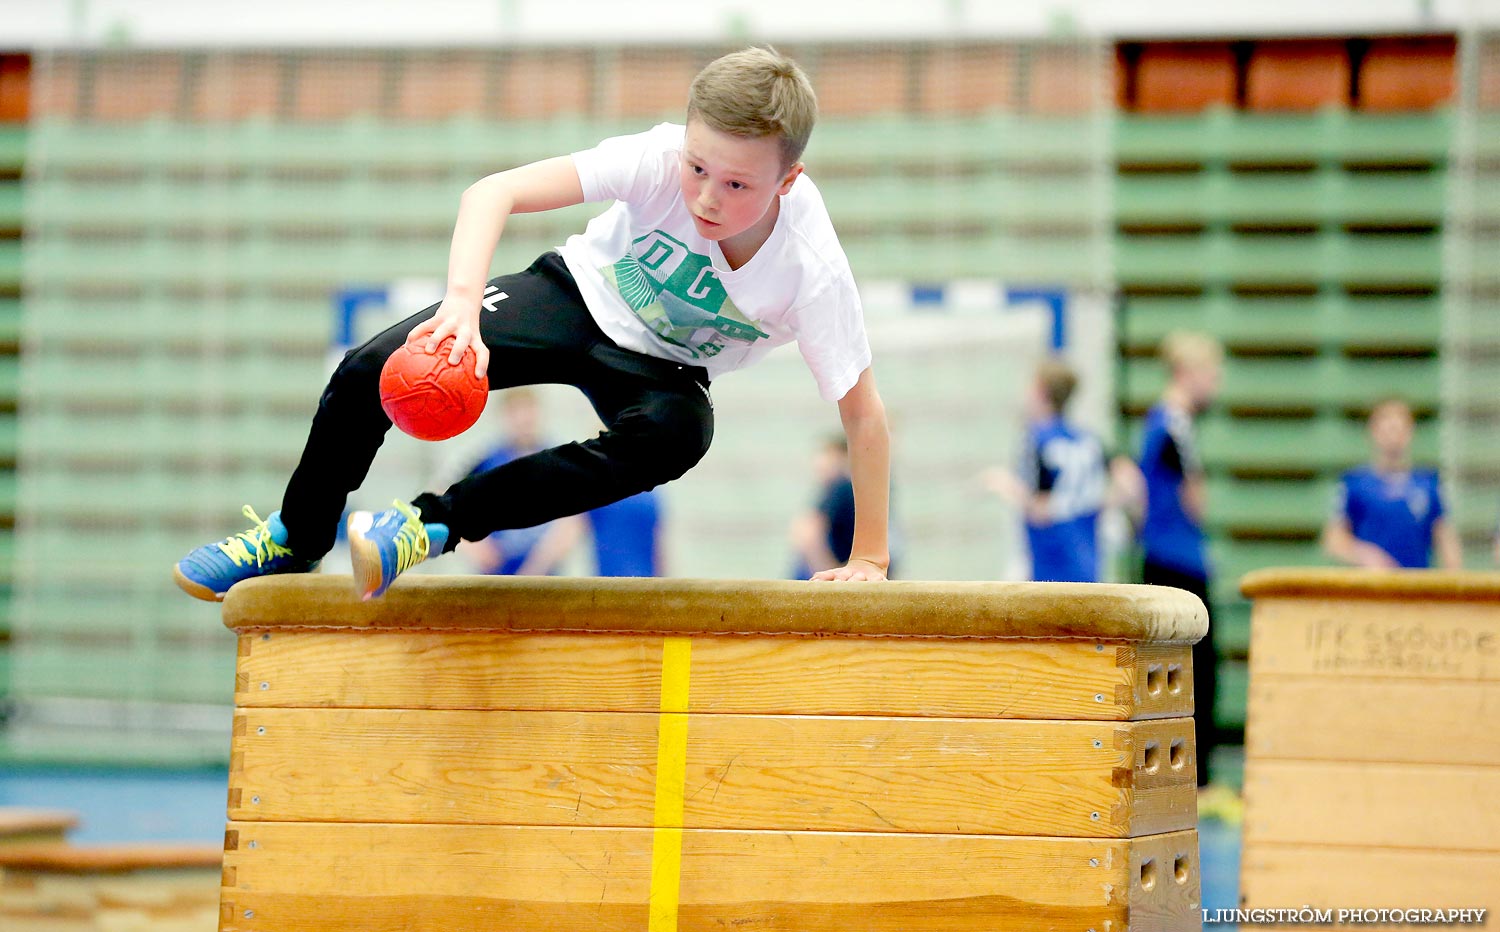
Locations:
(854, 571)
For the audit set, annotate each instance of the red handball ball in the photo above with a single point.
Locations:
(428, 398)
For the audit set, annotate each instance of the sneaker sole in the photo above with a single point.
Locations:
(195, 589)
(364, 556)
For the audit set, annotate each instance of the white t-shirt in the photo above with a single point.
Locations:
(655, 286)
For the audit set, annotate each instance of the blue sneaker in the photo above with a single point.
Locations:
(383, 545)
(208, 572)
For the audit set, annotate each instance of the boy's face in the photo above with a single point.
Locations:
(729, 182)
(830, 463)
(1203, 378)
(1038, 408)
(1391, 429)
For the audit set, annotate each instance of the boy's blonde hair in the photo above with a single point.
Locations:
(754, 93)
(1058, 380)
(1183, 349)
(1391, 401)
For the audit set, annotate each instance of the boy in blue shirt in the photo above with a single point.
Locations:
(823, 535)
(1062, 482)
(1172, 535)
(508, 552)
(627, 537)
(1387, 514)
(717, 249)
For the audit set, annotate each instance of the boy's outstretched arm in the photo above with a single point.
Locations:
(863, 414)
(482, 212)
(1446, 545)
(1339, 542)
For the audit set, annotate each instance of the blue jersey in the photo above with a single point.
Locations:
(1394, 511)
(625, 535)
(836, 507)
(514, 544)
(1169, 457)
(1067, 464)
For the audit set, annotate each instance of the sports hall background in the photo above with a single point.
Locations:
(187, 202)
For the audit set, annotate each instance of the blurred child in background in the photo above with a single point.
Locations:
(1176, 500)
(1387, 514)
(823, 535)
(628, 538)
(510, 552)
(1062, 484)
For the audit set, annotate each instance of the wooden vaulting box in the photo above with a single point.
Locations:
(48, 885)
(488, 753)
(1372, 757)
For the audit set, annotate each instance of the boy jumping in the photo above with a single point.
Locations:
(717, 249)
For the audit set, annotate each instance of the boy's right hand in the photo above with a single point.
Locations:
(1373, 557)
(457, 318)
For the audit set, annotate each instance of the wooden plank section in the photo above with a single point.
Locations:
(176, 900)
(1165, 883)
(1160, 780)
(1333, 637)
(319, 877)
(1162, 682)
(20, 826)
(109, 858)
(903, 608)
(1348, 583)
(1336, 877)
(622, 673)
(745, 772)
(1417, 721)
(1394, 805)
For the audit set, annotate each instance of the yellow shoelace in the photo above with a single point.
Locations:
(255, 544)
(411, 540)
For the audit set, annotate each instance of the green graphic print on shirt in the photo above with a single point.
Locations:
(676, 293)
